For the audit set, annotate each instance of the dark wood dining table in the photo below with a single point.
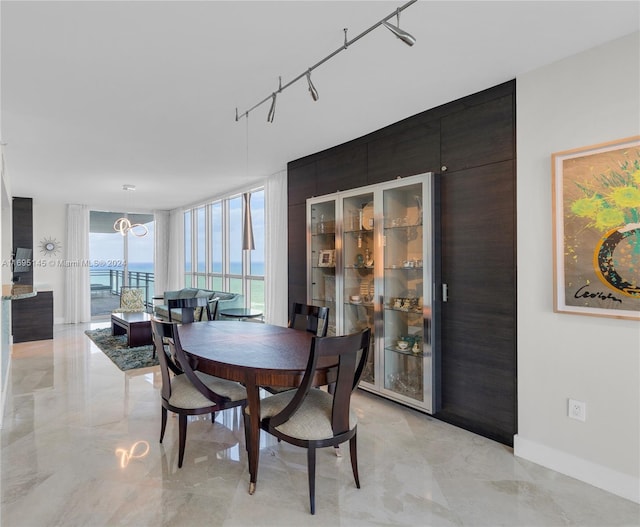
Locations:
(254, 355)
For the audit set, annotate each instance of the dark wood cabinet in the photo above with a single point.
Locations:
(32, 318)
(297, 253)
(474, 138)
(345, 169)
(478, 319)
(301, 182)
(404, 151)
(22, 235)
(478, 135)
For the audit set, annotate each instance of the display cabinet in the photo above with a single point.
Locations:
(357, 270)
(321, 277)
(370, 260)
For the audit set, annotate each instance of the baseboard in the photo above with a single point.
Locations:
(599, 476)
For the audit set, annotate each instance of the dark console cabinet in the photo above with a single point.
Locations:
(32, 318)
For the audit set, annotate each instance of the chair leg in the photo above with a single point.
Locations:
(311, 470)
(353, 450)
(246, 429)
(182, 437)
(163, 426)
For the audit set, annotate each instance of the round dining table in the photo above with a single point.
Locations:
(254, 355)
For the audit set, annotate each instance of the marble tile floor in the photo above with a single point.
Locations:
(80, 448)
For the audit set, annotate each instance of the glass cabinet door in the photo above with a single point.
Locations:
(322, 223)
(404, 291)
(370, 261)
(358, 262)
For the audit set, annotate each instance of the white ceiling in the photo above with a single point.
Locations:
(99, 94)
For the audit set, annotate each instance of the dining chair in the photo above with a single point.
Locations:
(313, 319)
(192, 309)
(186, 391)
(313, 418)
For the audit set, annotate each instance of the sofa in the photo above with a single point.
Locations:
(225, 301)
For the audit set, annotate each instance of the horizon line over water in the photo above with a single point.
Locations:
(257, 268)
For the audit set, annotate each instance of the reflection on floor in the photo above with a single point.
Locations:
(80, 448)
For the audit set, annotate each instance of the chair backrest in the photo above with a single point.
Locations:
(313, 319)
(189, 306)
(213, 309)
(163, 335)
(166, 334)
(132, 298)
(351, 351)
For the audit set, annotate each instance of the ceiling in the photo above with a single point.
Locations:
(95, 95)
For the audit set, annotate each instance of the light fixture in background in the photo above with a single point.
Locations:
(401, 34)
(272, 110)
(407, 38)
(124, 226)
(247, 225)
(312, 88)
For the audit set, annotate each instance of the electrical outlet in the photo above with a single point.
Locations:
(577, 410)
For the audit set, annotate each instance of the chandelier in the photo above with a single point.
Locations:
(124, 226)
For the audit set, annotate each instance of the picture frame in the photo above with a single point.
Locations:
(326, 258)
(596, 229)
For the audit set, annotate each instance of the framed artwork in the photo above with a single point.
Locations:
(596, 217)
(327, 258)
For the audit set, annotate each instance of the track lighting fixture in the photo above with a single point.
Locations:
(401, 34)
(408, 39)
(312, 88)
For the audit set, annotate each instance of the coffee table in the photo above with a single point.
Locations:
(137, 326)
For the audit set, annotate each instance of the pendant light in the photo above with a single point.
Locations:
(248, 243)
(123, 224)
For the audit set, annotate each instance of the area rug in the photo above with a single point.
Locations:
(115, 347)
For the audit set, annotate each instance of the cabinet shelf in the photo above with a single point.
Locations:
(357, 268)
(408, 311)
(401, 227)
(324, 300)
(368, 305)
(406, 352)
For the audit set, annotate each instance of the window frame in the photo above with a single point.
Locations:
(206, 279)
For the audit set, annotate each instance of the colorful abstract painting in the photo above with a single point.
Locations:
(596, 195)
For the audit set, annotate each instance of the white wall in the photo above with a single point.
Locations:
(49, 221)
(590, 98)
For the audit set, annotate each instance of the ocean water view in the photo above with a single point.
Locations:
(257, 268)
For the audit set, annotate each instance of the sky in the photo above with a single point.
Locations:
(109, 246)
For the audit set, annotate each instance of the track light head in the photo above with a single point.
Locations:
(312, 88)
(407, 38)
(272, 110)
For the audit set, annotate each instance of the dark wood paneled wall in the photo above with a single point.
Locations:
(22, 223)
(470, 144)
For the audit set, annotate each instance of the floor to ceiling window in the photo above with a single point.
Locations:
(214, 257)
(118, 260)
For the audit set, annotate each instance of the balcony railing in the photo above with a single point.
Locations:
(112, 280)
